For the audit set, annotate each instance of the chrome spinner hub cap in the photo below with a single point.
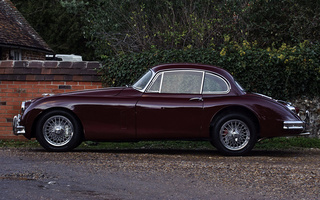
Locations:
(234, 134)
(58, 130)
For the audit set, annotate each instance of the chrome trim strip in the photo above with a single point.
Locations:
(304, 134)
(291, 108)
(160, 87)
(202, 82)
(293, 125)
(47, 94)
(196, 98)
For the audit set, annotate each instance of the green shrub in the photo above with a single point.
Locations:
(283, 72)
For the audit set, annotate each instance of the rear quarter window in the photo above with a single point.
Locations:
(214, 84)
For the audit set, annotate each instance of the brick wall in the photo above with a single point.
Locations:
(32, 55)
(23, 80)
(25, 54)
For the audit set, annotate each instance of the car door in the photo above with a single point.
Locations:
(171, 107)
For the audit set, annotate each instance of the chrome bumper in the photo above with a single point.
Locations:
(293, 125)
(17, 129)
(298, 125)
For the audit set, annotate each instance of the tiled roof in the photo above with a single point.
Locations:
(16, 31)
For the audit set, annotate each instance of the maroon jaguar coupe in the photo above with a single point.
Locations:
(170, 102)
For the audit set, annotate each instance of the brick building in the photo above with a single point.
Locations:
(24, 73)
(18, 40)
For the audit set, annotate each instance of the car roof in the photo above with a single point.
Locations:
(192, 66)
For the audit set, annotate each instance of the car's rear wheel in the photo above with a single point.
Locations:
(58, 131)
(234, 134)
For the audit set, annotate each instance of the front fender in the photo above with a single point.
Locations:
(30, 116)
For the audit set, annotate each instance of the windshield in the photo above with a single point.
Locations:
(143, 81)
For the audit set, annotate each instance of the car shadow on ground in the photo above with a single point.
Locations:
(198, 152)
(202, 152)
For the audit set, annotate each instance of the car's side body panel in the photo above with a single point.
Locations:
(104, 114)
(270, 115)
(109, 118)
(169, 116)
(130, 115)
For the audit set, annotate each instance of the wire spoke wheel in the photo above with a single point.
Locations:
(234, 134)
(58, 130)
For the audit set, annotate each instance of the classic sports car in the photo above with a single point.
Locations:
(170, 102)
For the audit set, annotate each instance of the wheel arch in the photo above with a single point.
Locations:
(236, 109)
(33, 132)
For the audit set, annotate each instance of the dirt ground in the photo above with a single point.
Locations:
(158, 174)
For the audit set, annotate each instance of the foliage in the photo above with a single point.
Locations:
(283, 72)
(111, 27)
(61, 30)
(122, 26)
(287, 143)
(282, 21)
(19, 143)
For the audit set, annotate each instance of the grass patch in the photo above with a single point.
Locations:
(287, 143)
(19, 143)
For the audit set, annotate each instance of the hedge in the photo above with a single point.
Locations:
(284, 73)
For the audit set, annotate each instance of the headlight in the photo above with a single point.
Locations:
(23, 107)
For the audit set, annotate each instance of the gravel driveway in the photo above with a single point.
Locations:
(158, 174)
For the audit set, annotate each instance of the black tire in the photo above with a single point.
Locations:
(58, 130)
(234, 134)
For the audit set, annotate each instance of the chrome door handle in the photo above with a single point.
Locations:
(196, 98)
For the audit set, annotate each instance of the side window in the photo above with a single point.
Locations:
(214, 84)
(155, 85)
(182, 82)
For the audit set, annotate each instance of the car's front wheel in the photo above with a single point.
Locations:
(58, 131)
(234, 134)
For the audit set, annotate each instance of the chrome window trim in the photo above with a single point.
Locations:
(160, 87)
(204, 72)
(154, 78)
(223, 79)
(173, 70)
(202, 82)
